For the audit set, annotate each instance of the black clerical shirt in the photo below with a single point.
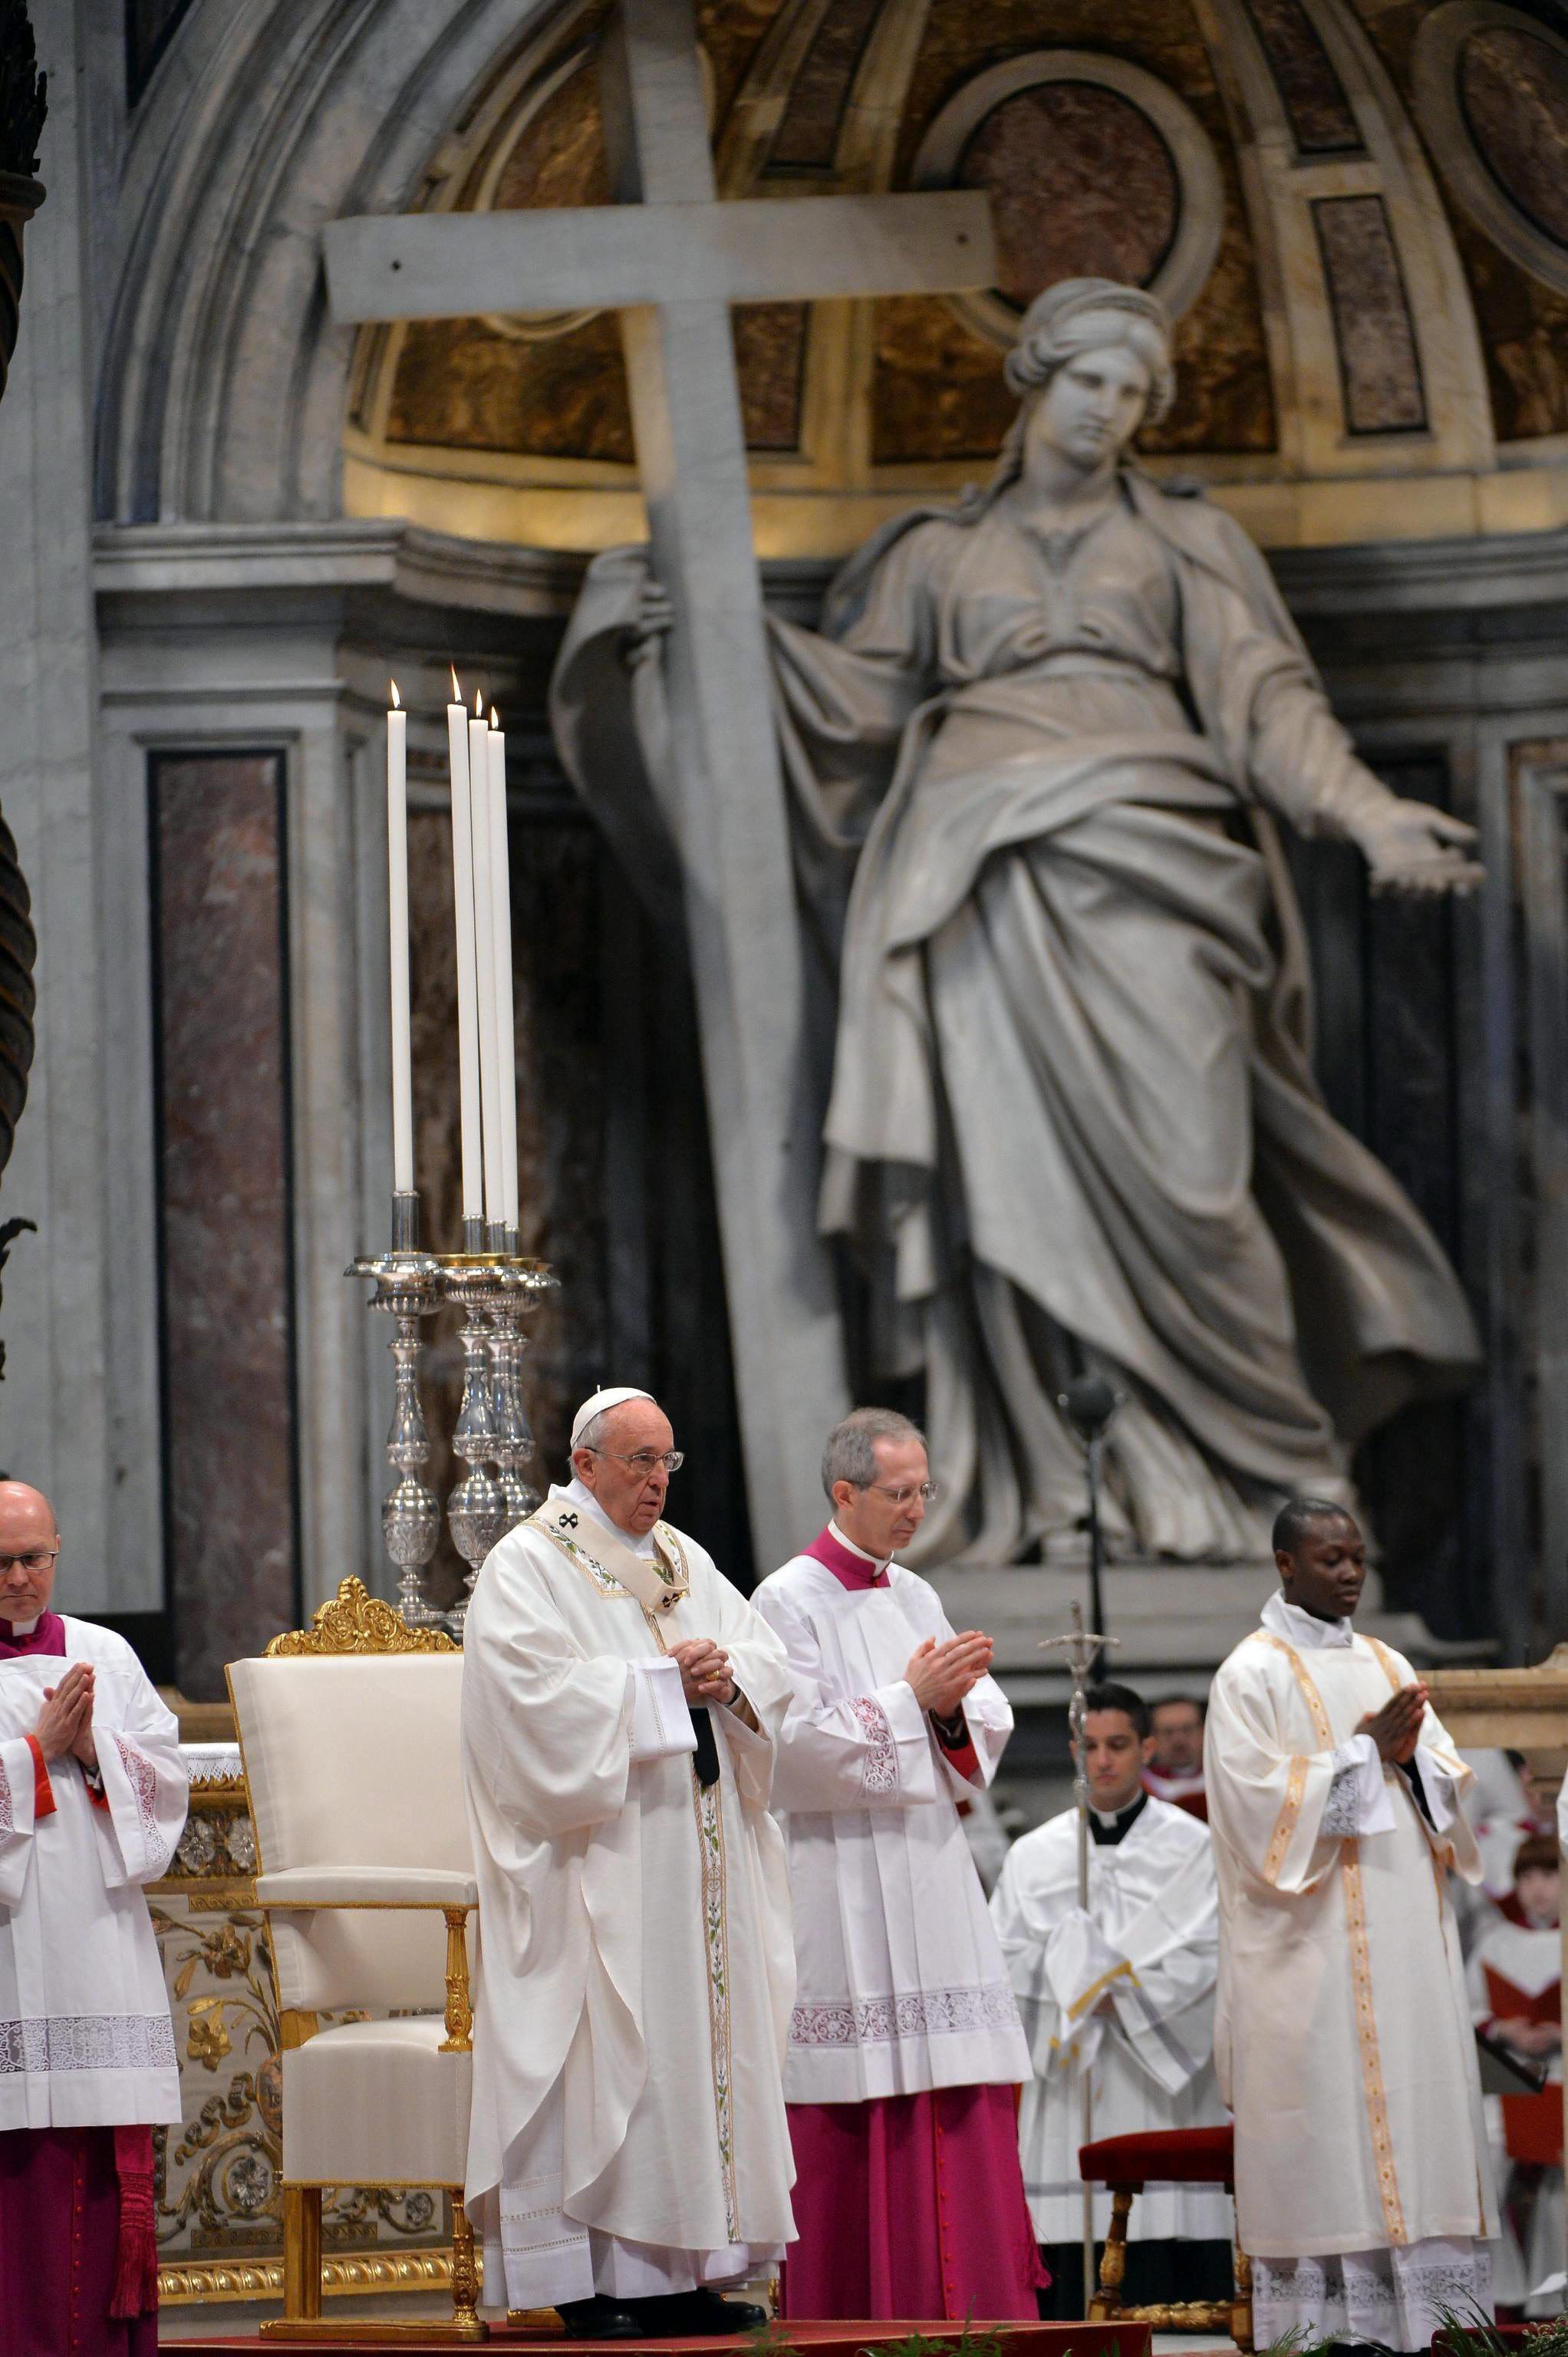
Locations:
(1106, 1831)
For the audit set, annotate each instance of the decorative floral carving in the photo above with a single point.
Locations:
(355, 1621)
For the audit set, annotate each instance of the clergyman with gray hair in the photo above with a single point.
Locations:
(905, 2045)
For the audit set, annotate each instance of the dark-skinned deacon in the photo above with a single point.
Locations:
(1343, 2038)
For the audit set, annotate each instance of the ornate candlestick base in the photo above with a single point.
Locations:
(406, 1289)
(523, 1285)
(476, 1509)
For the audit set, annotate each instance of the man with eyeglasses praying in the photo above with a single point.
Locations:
(628, 2152)
(906, 2050)
(92, 1799)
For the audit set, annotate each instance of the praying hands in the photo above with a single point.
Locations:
(65, 1722)
(705, 1674)
(1396, 1729)
(940, 1675)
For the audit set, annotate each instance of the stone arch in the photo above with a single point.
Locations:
(224, 379)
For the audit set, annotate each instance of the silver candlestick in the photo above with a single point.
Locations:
(523, 1285)
(476, 1509)
(406, 1291)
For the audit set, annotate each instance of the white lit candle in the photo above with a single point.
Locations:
(506, 1031)
(468, 992)
(484, 945)
(397, 922)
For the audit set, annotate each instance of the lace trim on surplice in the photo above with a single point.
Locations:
(87, 2042)
(914, 2013)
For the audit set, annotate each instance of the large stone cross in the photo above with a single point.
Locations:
(671, 259)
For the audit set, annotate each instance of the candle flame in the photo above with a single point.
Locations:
(495, 718)
(479, 703)
(456, 691)
(397, 700)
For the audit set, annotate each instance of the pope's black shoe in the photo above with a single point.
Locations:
(685, 2314)
(598, 2319)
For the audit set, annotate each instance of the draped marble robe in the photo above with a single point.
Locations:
(904, 2046)
(1149, 1943)
(635, 1966)
(87, 2054)
(1073, 1120)
(1343, 2039)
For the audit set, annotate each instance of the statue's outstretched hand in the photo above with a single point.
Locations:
(1411, 847)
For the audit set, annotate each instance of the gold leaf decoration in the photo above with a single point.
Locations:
(355, 1621)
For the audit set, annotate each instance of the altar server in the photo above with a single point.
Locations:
(92, 1799)
(1124, 1991)
(904, 2046)
(621, 1705)
(1344, 2039)
(1515, 1990)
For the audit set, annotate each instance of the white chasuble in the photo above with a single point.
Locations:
(85, 2035)
(636, 1968)
(1343, 2037)
(902, 1987)
(1125, 1992)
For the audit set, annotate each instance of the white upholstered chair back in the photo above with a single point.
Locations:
(353, 1762)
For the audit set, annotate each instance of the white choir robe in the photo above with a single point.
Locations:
(1343, 2034)
(1149, 1943)
(636, 1965)
(1516, 1969)
(85, 2035)
(902, 1988)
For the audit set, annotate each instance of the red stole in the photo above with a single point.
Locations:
(850, 1570)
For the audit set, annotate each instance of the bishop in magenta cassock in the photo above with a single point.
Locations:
(906, 2050)
(92, 1799)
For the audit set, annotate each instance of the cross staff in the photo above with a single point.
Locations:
(1083, 1650)
(673, 260)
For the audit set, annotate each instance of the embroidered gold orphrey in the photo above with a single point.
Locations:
(709, 1810)
(1360, 1966)
(665, 1542)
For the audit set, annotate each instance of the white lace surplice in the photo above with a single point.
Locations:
(1151, 1949)
(85, 2035)
(901, 1985)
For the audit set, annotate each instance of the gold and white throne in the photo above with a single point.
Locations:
(350, 1736)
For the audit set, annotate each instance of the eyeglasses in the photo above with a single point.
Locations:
(645, 1459)
(37, 1559)
(924, 1491)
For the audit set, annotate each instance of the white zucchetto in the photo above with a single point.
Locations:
(616, 1394)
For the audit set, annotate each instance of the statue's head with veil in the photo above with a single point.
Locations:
(1091, 367)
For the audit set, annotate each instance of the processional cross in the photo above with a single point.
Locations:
(671, 259)
(1084, 1650)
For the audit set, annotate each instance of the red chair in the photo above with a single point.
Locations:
(1125, 2165)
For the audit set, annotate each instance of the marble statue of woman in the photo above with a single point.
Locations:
(1073, 1124)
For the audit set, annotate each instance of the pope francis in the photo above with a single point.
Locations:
(621, 1704)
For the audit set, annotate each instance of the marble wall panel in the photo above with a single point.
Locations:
(1320, 117)
(936, 389)
(1523, 322)
(220, 989)
(807, 135)
(1514, 91)
(1385, 976)
(1379, 364)
(1082, 185)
